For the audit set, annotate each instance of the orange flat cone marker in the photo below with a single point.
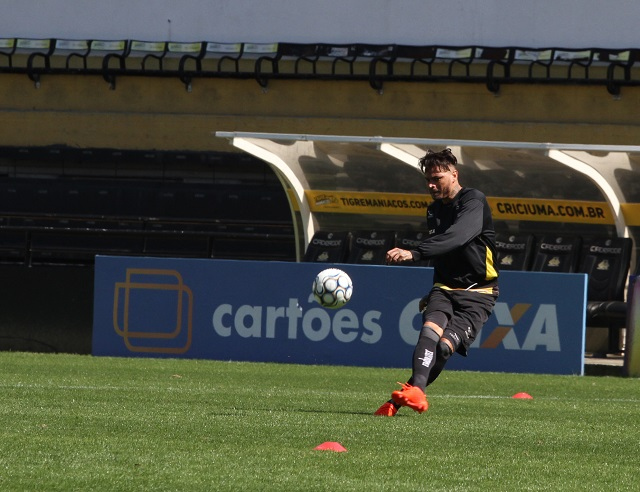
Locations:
(523, 396)
(331, 446)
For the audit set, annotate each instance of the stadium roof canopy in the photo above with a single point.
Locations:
(337, 182)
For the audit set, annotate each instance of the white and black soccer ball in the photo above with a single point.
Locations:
(332, 288)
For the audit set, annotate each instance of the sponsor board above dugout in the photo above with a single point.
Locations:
(404, 204)
(265, 312)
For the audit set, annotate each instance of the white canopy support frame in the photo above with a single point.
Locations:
(613, 196)
(289, 179)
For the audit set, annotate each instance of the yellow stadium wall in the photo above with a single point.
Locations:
(158, 113)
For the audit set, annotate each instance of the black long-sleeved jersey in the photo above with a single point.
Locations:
(461, 241)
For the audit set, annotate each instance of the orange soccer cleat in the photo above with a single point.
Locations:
(387, 409)
(412, 397)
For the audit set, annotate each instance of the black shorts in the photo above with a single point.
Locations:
(465, 311)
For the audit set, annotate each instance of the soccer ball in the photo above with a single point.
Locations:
(332, 288)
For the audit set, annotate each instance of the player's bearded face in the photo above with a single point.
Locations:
(442, 184)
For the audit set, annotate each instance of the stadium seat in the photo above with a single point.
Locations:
(416, 55)
(13, 244)
(370, 247)
(181, 246)
(558, 254)
(515, 251)
(103, 48)
(327, 247)
(187, 52)
(225, 51)
(253, 242)
(68, 49)
(146, 50)
(307, 53)
(542, 57)
(7, 49)
(34, 49)
(366, 53)
(387, 59)
(495, 57)
(117, 50)
(572, 58)
(607, 262)
(453, 55)
(262, 52)
(257, 50)
(338, 54)
(617, 59)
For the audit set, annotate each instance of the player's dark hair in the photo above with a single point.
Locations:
(438, 161)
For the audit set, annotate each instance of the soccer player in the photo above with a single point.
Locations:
(461, 241)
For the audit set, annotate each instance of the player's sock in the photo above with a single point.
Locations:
(424, 357)
(394, 403)
(443, 353)
(436, 369)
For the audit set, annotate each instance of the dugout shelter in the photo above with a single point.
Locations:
(557, 207)
(355, 183)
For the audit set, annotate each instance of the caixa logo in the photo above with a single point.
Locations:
(514, 331)
(519, 327)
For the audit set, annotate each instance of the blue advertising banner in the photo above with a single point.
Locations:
(264, 311)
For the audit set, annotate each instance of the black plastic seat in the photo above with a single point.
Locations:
(514, 251)
(558, 254)
(370, 247)
(327, 247)
(606, 261)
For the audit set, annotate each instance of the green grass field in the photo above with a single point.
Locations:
(86, 423)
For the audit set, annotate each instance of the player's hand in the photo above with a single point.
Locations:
(398, 255)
